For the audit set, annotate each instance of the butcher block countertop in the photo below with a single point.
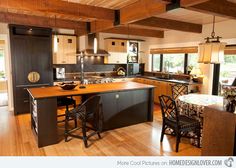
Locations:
(56, 91)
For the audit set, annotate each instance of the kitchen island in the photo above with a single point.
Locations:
(123, 104)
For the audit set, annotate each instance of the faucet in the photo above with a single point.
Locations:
(168, 69)
(82, 67)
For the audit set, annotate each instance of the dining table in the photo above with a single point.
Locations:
(193, 105)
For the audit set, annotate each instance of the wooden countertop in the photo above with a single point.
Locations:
(56, 91)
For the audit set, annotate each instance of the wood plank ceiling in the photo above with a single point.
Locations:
(182, 14)
(146, 17)
(111, 4)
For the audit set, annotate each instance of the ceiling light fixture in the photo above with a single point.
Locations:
(95, 42)
(95, 45)
(212, 51)
(55, 40)
(128, 41)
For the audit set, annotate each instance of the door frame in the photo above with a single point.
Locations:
(6, 38)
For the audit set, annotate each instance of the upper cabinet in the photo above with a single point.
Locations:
(116, 45)
(118, 51)
(64, 49)
(121, 52)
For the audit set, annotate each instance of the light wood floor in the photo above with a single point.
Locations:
(16, 139)
(3, 98)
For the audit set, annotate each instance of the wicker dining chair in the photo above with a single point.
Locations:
(180, 124)
(179, 90)
(90, 115)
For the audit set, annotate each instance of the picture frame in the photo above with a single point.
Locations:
(133, 49)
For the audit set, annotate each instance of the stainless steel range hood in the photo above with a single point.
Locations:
(89, 50)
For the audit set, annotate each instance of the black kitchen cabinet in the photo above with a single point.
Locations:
(31, 51)
(117, 109)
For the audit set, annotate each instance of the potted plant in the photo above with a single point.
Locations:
(2, 74)
(229, 94)
(189, 69)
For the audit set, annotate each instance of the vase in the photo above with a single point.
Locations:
(229, 105)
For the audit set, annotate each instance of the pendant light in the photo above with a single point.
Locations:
(212, 51)
(55, 45)
(95, 45)
(128, 41)
(55, 40)
(95, 42)
(128, 45)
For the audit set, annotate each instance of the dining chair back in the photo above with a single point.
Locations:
(179, 90)
(180, 124)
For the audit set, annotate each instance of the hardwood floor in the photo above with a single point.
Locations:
(16, 139)
(3, 99)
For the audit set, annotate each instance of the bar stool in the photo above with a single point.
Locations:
(65, 101)
(90, 115)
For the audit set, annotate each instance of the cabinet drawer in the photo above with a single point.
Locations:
(22, 105)
(21, 93)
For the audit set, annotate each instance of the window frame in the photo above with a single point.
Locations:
(186, 55)
(161, 63)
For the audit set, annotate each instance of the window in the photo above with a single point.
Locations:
(193, 59)
(156, 62)
(173, 63)
(228, 69)
(2, 63)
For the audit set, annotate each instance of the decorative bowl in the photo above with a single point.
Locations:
(68, 85)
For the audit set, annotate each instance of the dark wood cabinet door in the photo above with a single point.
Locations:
(41, 59)
(132, 107)
(21, 59)
(125, 108)
(109, 108)
(30, 53)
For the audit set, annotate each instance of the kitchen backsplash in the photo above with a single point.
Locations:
(91, 64)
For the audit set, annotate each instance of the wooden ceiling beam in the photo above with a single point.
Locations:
(221, 8)
(57, 7)
(156, 22)
(135, 31)
(38, 21)
(188, 3)
(139, 10)
(142, 9)
(100, 25)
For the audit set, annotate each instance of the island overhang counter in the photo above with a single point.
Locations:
(123, 104)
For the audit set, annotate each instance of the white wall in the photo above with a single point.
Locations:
(226, 29)
(4, 35)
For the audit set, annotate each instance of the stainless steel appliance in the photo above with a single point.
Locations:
(60, 73)
(97, 79)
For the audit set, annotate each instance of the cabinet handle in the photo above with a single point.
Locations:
(26, 101)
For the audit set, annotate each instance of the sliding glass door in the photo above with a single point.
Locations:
(228, 70)
(3, 80)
